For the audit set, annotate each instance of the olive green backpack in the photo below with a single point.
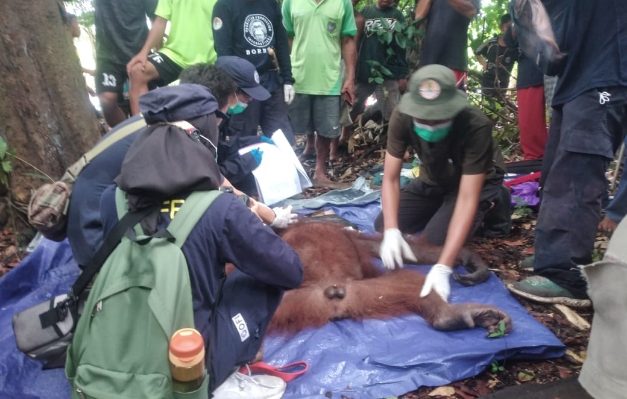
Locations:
(140, 297)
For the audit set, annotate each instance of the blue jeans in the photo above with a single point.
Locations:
(584, 136)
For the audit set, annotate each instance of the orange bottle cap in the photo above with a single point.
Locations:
(186, 343)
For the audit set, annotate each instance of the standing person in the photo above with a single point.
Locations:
(589, 115)
(189, 42)
(531, 103)
(459, 177)
(446, 37)
(121, 30)
(497, 59)
(253, 30)
(375, 22)
(322, 35)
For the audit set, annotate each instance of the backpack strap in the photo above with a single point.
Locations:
(70, 304)
(72, 172)
(192, 210)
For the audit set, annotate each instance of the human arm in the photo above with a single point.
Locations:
(349, 54)
(360, 22)
(393, 247)
(467, 8)
(154, 39)
(222, 26)
(282, 50)
(422, 9)
(257, 251)
(438, 278)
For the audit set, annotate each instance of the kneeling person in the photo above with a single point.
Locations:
(459, 176)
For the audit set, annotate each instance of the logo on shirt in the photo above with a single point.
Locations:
(258, 30)
(373, 26)
(241, 326)
(331, 26)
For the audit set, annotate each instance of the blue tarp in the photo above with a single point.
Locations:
(367, 359)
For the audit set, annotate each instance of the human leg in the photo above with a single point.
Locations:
(273, 116)
(326, 124)
(389, 95)
(158, 70)
(300, 113)
(239, 324)
(579, 150)
(110, 78)
(617, 208)
(532, 121)
(418, 202)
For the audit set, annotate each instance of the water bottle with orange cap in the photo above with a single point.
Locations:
(187, 360)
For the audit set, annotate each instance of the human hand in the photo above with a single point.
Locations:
(140, 58)
(438, 280)
(266, 139)
(288, 93)
(394, 249)
(283, 217)
(256, 154)
(348, 91)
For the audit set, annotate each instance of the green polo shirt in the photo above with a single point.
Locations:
(190, 40)
(317, 29)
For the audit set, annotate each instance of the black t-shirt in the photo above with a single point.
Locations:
(500, 61)
(593, 34)
(248, 29)
(372, 48)
(446, 38)
(121, 28)
(468, 149)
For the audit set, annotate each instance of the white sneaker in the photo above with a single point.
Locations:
(256, 386)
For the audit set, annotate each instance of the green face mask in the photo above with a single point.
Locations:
(434, 133)
(237, 108)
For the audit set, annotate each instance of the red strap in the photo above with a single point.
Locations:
(535, 176)
(287, 373)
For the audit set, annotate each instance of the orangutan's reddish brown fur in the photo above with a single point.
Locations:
(340, 282)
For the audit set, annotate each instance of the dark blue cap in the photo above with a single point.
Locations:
(177, 103)
(245, 76)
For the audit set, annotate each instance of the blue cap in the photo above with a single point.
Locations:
(245, 76)
(177, 103)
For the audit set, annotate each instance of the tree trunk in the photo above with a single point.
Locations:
(45, 114)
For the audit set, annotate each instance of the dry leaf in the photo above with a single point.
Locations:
(573, 357)
(574, 318)
(443, 391)
(525, 376)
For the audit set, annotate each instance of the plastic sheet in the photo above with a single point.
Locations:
(377, 359)
(368, 359)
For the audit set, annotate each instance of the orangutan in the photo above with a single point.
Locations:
(340, 282)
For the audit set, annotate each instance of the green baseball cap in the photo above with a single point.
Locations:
(432, 94)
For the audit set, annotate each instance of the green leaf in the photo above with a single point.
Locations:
(385, 71)
(7, 166)
(3, 148)
(499, 332)
(378, 80)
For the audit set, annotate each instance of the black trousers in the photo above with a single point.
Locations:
(584, 135)
(429, 208)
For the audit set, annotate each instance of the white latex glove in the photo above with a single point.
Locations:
(288, 92)
(438, 280)
(394, 249)
(283, 217)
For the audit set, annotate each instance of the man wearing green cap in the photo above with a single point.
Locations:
(459, 177)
